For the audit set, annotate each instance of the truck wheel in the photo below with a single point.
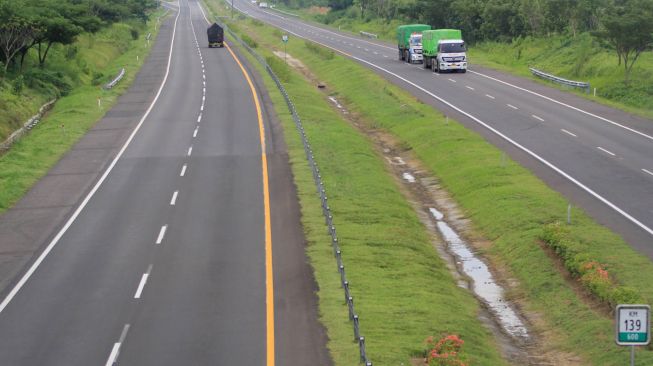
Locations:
(407, 55)
(401, 55)
(463, 70)
(425, 62)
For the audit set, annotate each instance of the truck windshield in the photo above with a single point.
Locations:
(416, 40)
(452, 47)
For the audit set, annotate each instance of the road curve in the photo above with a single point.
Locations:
(598, 157)
(172, 259)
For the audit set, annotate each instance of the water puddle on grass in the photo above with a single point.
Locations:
(483, 283)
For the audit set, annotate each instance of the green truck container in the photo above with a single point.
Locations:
(403, 38)
(444, 49)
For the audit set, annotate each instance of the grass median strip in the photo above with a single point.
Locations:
(403, 290)
(507, 204)
(33, 155)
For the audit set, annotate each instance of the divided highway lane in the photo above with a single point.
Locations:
(597, 156)
(170, 260)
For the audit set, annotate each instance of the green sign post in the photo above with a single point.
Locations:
(633, 327)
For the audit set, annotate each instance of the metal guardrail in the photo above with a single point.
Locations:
(368, 35)
(285, 12)
(559, 80)
(27, 126)
(116, 80)
(326, 209)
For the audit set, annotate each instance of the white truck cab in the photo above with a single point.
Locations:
(452, 55)
(415, 48)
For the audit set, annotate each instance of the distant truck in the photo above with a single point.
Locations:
(215, 34)
(444, 50)
(409, 42)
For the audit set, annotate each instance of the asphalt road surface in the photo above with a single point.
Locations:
(600, 158)
(188, 249)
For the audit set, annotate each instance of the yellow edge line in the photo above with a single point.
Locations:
(269, 279)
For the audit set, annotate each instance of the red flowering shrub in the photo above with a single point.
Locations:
(448, 351)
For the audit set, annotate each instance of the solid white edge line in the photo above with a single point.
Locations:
(113, 355)
(565, 105)
(183, 170)
(162, 234)
(141, 285)
(501, 135)
(567, 132)
(647, 171)
(606, 151)
(173, 200)
(88, 197)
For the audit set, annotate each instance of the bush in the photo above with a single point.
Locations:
(280, 68)
(250, 42)
(323, 53)
(45, 79)
(594, 275)
(134, 33)
(18, 85)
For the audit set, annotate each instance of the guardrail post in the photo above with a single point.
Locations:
(356, 328)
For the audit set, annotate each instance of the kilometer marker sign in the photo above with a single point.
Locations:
(633, 326)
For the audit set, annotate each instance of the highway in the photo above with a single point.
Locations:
(600, 158)
(186, 248)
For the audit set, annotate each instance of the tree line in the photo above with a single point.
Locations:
(626, 26)
(36, 25)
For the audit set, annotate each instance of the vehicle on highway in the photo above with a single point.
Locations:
(444, 50)
(215, 34)
(263, 5)
(406, 33)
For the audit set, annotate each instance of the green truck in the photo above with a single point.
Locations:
(444, 50)
(409, 41)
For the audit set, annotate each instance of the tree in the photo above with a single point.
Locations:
(16, 30)
(628, 28)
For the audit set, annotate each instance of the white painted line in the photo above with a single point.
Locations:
(512, 106)
(173, 200)
(489, 96)
(115, 351)
(199, 118)
(566, 105)
(606, 151)
(469, 87)
(204, 77)
(183, 170)
(537, 118)
(195, 133)
(647, 171)
(203, 98)
(202, 108)
(358, 46)
(376, 53)
(366, 50)
(452, 80)
(190, 150)
(204, 83)
(113, 355)
(567, 132)
(141, 285)
(99, 183)
(162, 234)
(386, 56)
(204, 90)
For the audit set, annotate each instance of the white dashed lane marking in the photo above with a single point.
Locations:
(162, 234)
(606, 151)
(537, 118)
(568, 133)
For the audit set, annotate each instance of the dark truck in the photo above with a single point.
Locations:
(216, 35)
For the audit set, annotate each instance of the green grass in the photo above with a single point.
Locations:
(31, 157)
(402, 290)
(507, 205)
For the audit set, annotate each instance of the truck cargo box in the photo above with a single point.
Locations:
(216, 35)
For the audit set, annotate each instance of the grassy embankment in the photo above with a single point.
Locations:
(86, 65)
(402, 290)
(576, 58)
(507, 204)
